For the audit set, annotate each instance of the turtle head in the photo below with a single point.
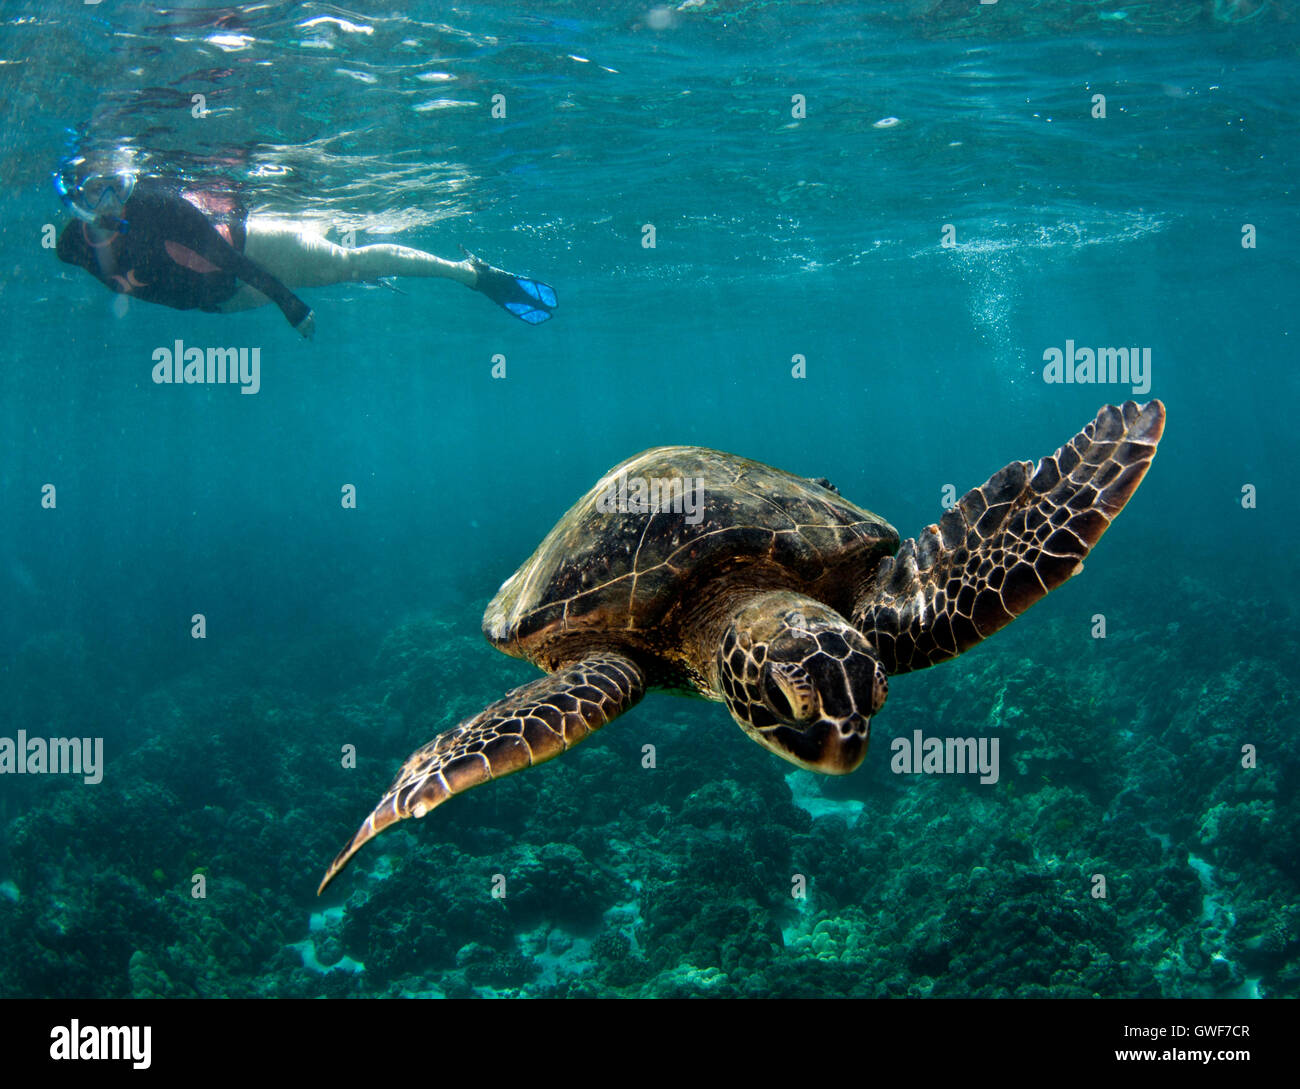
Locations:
(801, 681)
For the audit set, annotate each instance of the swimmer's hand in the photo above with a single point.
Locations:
(307, 327)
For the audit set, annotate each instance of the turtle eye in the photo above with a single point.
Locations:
(789, 693)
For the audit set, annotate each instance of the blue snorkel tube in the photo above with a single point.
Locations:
(98, 199)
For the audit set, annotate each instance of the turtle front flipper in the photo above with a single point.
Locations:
(532, 724)
(1006, 544)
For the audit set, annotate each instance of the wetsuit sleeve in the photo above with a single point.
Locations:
(171, 217)
(292, 307)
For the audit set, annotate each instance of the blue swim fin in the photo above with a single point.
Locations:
(527, 299)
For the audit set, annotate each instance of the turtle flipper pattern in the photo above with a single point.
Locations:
(532, 724)
(1007, 543)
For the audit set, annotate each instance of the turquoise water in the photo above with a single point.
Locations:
(776, 236)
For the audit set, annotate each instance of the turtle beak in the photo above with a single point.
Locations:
(842, 741)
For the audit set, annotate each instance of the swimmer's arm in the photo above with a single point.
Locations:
(188, 226)
(296, 311)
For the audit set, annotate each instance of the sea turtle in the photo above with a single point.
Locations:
(768, 592)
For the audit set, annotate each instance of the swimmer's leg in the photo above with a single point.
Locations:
(299, 257)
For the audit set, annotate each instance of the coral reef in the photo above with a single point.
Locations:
(1130, 847)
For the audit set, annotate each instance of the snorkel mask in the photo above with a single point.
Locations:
(98, 199)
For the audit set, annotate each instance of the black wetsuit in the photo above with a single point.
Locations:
(170, 253)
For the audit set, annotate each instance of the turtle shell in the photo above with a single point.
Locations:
(658, 529)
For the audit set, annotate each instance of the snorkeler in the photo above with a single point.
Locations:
(192, 250)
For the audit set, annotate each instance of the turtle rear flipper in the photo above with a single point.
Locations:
(1008, 543)
(532, 724)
